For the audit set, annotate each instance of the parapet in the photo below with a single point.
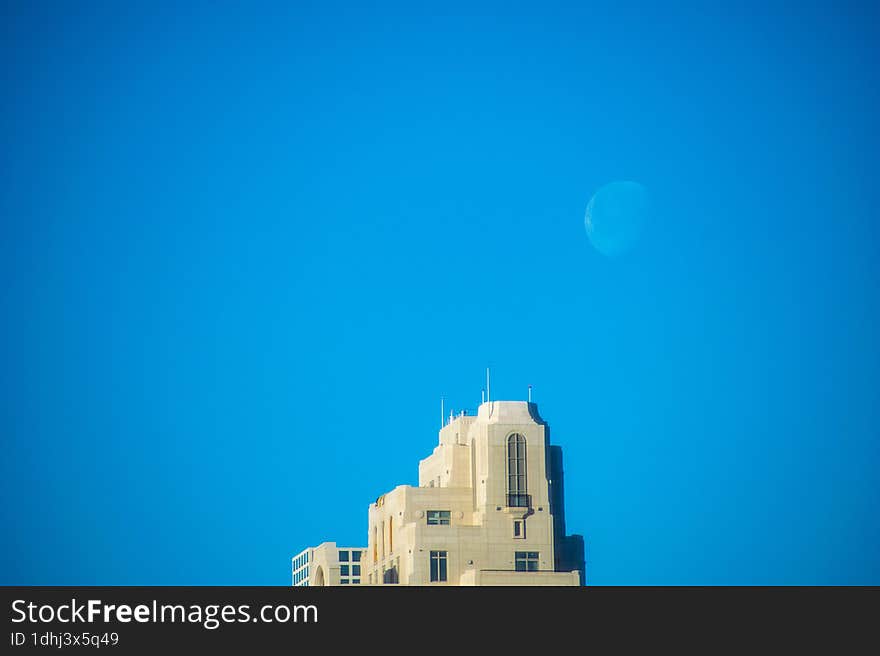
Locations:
(509, 412)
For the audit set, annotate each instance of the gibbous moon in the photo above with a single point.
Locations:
(615, 217)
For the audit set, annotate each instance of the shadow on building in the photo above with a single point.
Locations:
(570, 550)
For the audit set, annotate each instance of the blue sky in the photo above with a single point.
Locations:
(246, 250)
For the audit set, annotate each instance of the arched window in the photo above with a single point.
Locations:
(517, 495)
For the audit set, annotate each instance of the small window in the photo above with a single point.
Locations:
(355, 570)
(438, 517)
(355, 581)
(356, 556)
(519, 528)
(343, 556)
(343, 581)
(526, 561)
(343, 570)
(438, 566)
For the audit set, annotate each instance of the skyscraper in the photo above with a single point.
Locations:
(488, 510)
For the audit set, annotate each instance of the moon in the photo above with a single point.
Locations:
(616, 216)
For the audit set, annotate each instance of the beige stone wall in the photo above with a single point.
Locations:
(495, 577)
(466, 475)
(325, 568)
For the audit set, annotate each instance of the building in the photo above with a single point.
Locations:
(488, 510)
(328, 564)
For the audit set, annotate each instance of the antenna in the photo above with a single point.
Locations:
(488, 389)
(530, 393)
(482, 396)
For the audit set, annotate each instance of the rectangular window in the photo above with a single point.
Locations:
(355, 570)
(343, 556)
(356, 556)
(438, 517)
(526, 561)
(343, 581)
(438, 566)
(519, 528)
(343, 570)
(356, 581)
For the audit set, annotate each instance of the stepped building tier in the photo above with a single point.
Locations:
(488, 510)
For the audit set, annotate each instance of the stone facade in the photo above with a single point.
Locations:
(328, 564)
(488, 510)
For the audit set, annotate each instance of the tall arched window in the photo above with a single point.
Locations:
(517, 495)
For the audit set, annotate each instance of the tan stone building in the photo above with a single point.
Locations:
(488, 511)
(328, 564)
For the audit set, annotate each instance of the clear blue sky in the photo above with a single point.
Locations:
(245, 251)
